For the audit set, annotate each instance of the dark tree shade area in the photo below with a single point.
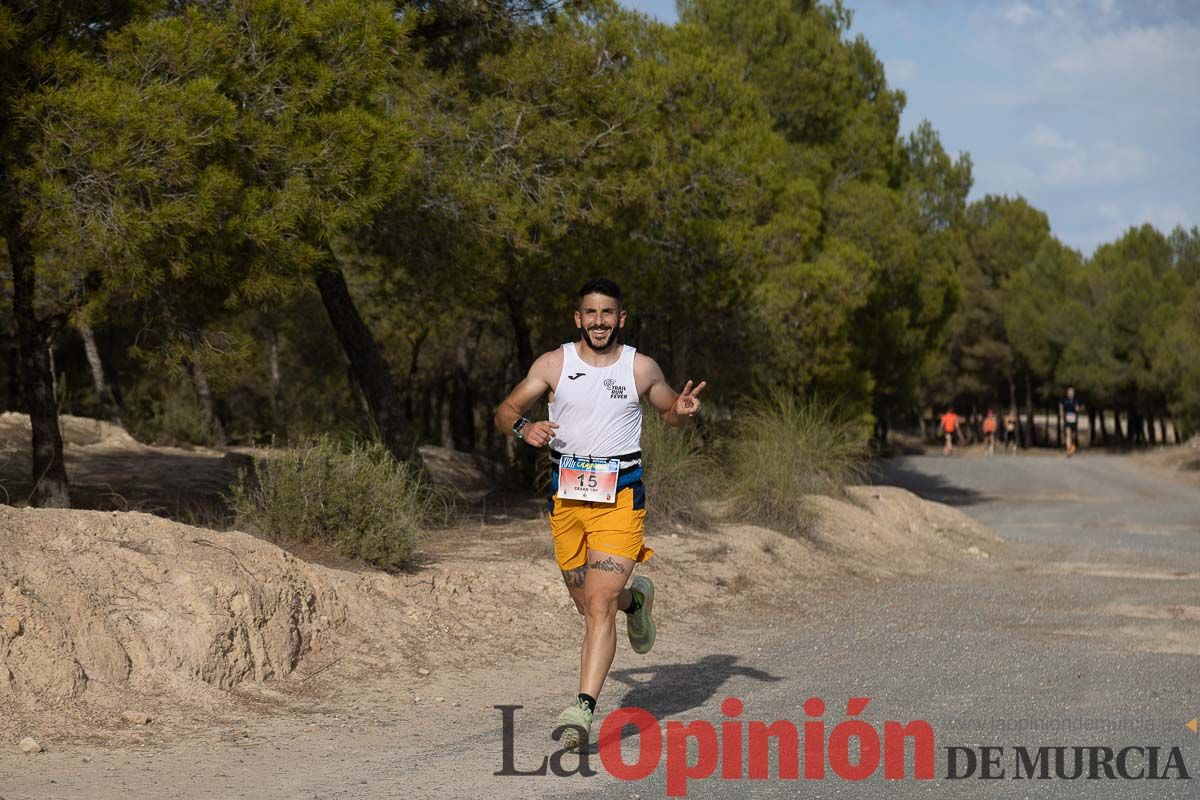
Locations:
(255, 220)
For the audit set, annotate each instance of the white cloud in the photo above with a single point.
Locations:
(1065, 172)
(1045, 137)
(1165, 217)
(1060, 162)
(1019, 13)
(1100, 164)
(1153, 57)
(900, 70)
(1109, 210)
(1004, 176)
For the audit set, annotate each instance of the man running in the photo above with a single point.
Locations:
(1070, 415)
(948, 427)
(1010, 431)
(989, 431)
(597, 507)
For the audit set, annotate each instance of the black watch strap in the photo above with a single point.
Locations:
(519, 426)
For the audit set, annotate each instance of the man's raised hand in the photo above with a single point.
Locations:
(688, 402)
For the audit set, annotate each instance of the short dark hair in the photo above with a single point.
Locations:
(601, 286)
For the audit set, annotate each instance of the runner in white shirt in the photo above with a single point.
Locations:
(597, 505)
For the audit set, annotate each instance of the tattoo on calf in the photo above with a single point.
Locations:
(608, 565)
(574, 577)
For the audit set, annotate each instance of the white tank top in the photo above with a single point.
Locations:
(596, 408)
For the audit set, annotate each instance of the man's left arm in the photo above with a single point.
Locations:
(677, 410)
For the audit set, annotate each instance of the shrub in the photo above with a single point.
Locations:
(171, 415)
(679, 476)
(785, 449)
(355, 497)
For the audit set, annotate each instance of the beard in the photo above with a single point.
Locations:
(614, 338)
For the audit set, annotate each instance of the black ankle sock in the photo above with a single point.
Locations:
(635, 601)
(591, 701)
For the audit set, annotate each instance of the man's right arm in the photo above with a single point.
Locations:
(525, 394)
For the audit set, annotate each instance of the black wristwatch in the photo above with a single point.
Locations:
(519, 426)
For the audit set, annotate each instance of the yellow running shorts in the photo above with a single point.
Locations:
(613, 528)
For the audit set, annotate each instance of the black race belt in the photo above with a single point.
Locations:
(634, 456)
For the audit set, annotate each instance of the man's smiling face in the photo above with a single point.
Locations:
(600, 319)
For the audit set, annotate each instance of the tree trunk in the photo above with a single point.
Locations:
(1103, 427)
(369, 365)
(108, 405)
(204, 394)
(1153, 440)
(414, 362)
(521, 336)
(921, 423)
(1032, 424)
(1117, 430)
(462, 403)
(1162, 428)
(1058, 425)
(13, 400)
(275, 375)
(1091, 426)
(50, 487)
(53, 372)
(445, 436)
(427, 413)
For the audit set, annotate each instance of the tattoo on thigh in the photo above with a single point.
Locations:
(608, 565)
(574, 577)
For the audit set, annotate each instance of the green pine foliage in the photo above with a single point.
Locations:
(183, 173)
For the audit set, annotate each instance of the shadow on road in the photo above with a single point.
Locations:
(897, 472)
(667, 689)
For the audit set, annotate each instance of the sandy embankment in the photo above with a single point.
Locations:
(104, 613)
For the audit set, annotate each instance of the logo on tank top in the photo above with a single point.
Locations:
(618, 392)
(576, 375)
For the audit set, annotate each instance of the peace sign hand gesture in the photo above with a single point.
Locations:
(687, 404)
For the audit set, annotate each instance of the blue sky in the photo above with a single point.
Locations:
(1088, 108)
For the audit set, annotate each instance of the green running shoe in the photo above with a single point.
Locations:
(576, 717)
(640, 624)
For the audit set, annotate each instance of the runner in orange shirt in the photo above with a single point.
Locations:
(948, 427)
(989, 431)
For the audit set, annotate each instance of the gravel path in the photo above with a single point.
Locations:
(1084, 629)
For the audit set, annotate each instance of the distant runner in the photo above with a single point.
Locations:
(989, 431)
(949, 427)
(1070, 414)
(597, 508)
(1010, 431)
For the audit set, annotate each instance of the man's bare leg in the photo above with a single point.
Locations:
(603, 593)
(574, 582)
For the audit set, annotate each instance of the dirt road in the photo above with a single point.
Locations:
(1083, 630)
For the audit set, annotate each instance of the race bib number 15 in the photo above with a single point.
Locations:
(586, 479)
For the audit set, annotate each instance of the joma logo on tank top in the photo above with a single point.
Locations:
(618, 392)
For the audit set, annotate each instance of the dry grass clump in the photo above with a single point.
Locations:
(356, 497)
(679, 475)
(784, 449)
